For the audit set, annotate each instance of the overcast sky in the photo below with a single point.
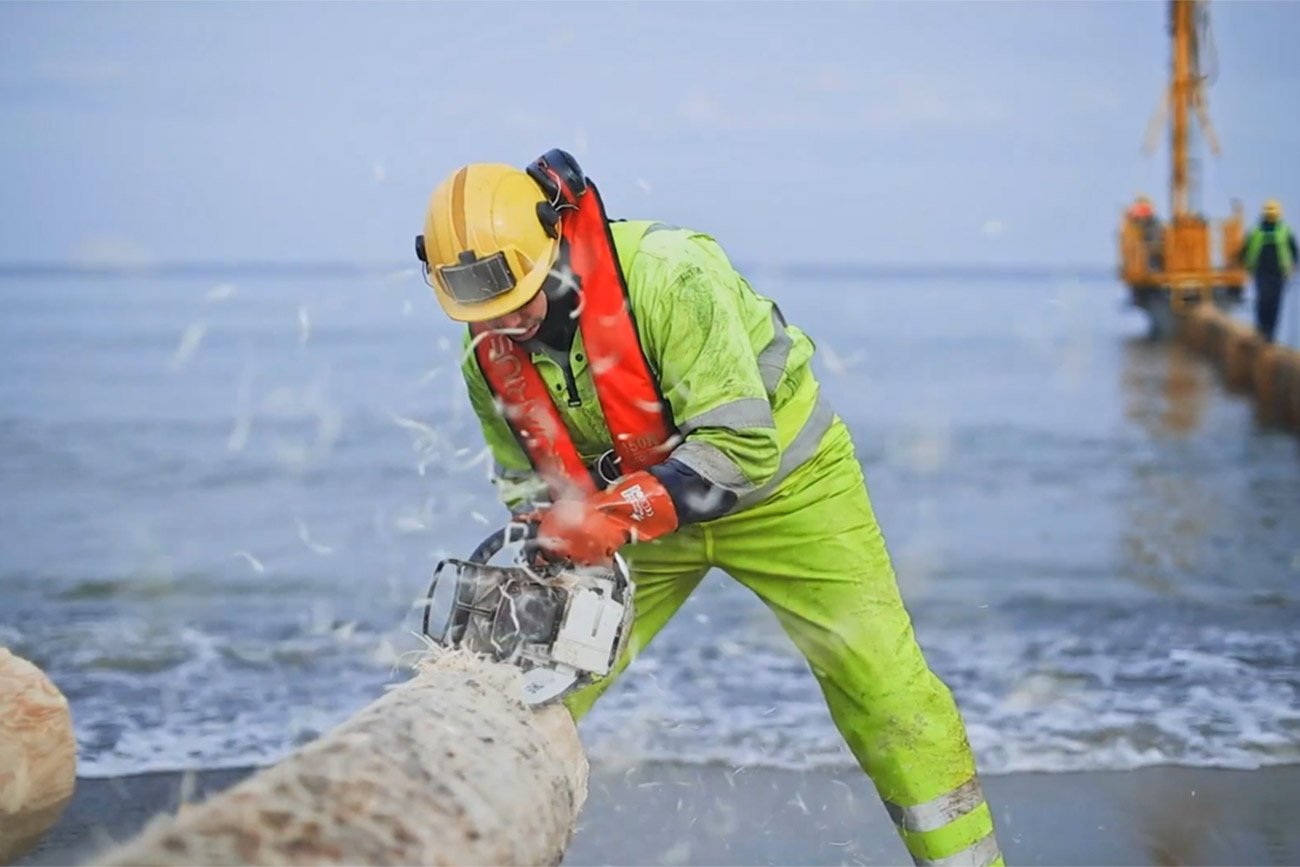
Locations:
(810, 132)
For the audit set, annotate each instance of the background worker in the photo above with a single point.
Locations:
(1269, 253)
(1142, 214)
(638, 396)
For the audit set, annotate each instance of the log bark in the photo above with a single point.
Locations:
(1289, 383)
(448, 768)
(1264, 378)
(1239, 354)
(38, 755)
(1269, 371)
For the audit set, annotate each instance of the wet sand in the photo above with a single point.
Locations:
(690, 814)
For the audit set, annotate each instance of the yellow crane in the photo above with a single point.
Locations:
(1168, 266)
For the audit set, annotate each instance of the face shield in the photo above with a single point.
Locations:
(474, 289)
(476, 280)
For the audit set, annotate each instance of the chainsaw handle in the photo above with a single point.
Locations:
(515, 531)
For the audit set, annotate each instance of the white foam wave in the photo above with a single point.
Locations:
(1034, 700)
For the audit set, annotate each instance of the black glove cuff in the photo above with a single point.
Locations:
(694, 497)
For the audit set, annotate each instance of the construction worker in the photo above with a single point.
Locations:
(638, 396)
(1149, 231)
(1270, 255)
(1141, 209)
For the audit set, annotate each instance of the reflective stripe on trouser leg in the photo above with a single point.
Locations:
(665, 572)
(957, 823)
(814, 553)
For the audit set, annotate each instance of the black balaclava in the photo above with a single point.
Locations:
(560, 324)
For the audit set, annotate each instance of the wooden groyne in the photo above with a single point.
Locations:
(1268, 372)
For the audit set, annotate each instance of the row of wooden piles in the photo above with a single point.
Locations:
(1249, 365)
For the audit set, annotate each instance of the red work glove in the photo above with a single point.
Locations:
(589, 531)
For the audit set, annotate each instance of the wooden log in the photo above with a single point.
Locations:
(38, 755)
(1216, 335)
(1240, 348)
(1288, 386)
(1194, 327)
(448, 768)
(1263, 377)
(1292, 359)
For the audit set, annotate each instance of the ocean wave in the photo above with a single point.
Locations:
(758, 706)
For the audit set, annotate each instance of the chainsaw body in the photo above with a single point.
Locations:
(561, 625)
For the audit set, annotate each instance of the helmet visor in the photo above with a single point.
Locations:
(477, 281)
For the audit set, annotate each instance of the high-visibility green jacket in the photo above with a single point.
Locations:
(1276, 235)
(736, 377)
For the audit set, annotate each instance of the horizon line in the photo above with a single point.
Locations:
(339, 268)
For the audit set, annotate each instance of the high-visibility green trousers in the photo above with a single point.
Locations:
(813, 553)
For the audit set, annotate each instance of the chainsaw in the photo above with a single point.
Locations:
(562, 625)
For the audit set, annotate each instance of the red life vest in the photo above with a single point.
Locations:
(639, 421)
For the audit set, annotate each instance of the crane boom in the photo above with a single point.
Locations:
(1169, 266)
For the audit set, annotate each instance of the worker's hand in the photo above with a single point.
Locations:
(578, 531)
(589, 531)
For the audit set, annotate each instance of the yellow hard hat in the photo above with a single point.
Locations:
(1272, 209)
(484, 246)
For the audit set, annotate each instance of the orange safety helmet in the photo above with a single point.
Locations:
(1141, 208)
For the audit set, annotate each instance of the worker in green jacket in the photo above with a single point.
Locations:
(1270, 255)
(639, 396)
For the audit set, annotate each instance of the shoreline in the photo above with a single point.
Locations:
(663, 813)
